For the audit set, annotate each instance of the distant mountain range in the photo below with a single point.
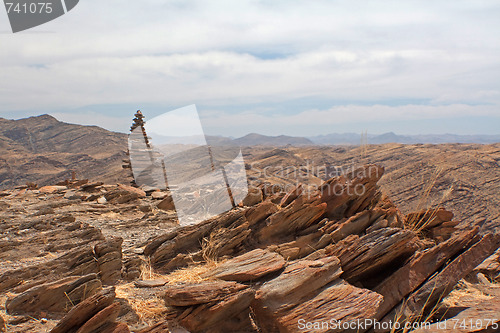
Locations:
(44, 150)
(355, 139)
(255, 139)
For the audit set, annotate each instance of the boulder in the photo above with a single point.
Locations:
(158, 195)
(123, 194)
(420, 266)
(84, 311)
(91, 187)
(140, 193)
(199, 293)
(213, 306)
(309, 291)
(52, 189)
(442, 283)
(109, 259)
(249, 266)
(55, 297)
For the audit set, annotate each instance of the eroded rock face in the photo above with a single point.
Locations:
(132, 266)
(490, 267)
(216, 306)
(109, 259)
(253, 197)
(96, 314)
(313, 256)
(84, 311)
(123, 194)
(339, 303)
(420, 266)
(249, 267)
(442, 283)
(470, 320)
(54, 297)
(105, 259)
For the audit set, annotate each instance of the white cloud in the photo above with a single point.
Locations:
(222, 53)
(216, 77)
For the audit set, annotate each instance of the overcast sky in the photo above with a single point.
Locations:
(272, 67)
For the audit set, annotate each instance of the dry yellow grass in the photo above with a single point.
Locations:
(195, 273)
(149, 309)
(147, 272)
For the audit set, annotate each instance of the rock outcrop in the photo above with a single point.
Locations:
(96, 314)
(338, 255)
(54, 297)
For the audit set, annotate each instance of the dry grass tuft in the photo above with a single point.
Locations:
(425, 203)
(422, 319)
(192, 273)
(149, 309)
(147, 271)
(195, 273)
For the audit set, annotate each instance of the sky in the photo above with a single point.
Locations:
(273, 67)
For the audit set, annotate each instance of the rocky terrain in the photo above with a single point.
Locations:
(91, 257)
(327, 236)
(43, 150)
(461, 177)
(464, 178)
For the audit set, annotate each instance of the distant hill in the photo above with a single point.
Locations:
(355, 139)
(255, 139)
(44, 150)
